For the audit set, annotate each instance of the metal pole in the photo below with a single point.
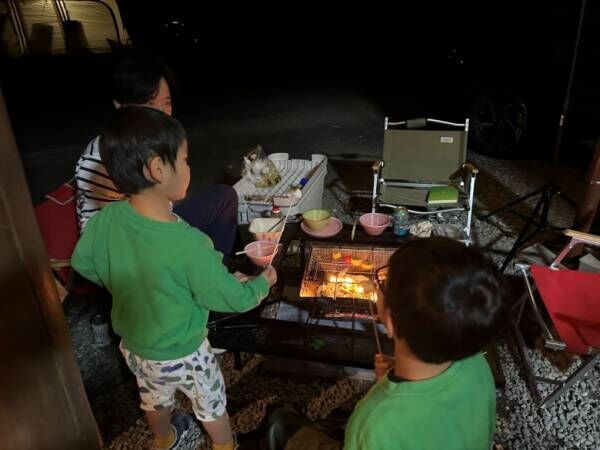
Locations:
(567, 99)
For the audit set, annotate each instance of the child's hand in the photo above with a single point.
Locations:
(270, 275)
(241, 277)
(383, 364)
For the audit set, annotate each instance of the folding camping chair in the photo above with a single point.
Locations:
(416, 159)
(57, 220)
(572, 299)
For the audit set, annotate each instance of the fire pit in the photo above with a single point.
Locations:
(341, 279)
(322, 307)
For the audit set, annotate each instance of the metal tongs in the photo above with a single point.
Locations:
(294, 193)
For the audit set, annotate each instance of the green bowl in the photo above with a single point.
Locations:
(316, 219)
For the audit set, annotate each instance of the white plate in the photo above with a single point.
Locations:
(333, 227)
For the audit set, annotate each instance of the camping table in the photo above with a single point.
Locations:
(255, 332)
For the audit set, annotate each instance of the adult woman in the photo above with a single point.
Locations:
(145, 81)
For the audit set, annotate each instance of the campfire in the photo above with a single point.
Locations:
(343, 285)
(343, 272)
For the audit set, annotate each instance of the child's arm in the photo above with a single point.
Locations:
(82, 259)
(214, 288)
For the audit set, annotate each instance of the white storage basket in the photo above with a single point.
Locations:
(253, 201)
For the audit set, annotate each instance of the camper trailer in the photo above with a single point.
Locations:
(51, 27)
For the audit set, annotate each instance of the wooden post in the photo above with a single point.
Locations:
(591, 199)
(43, 404)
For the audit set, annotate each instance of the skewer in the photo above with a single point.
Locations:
(275, 226)
(375, 327)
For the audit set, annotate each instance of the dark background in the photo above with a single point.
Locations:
(489, 61)
(414, 60)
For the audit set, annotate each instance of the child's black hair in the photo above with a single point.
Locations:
(445, 299)
(136, 79)
(133, 136)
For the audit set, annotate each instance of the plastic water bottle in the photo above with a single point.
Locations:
(400, 221)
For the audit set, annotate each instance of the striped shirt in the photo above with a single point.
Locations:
(95, 187)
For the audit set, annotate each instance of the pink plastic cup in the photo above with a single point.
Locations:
(261, 252)
(374, 223)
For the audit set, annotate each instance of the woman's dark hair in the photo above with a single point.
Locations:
(133, 136)
(445, 299)
(135, 79)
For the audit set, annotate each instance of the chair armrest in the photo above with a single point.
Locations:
(471, 168)
(576, 237)
(59, 263)
(580, 236)
(465, 173)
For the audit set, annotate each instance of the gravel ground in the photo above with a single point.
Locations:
(571, 422)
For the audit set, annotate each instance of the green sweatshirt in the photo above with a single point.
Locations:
(456, 410)
(164, 278)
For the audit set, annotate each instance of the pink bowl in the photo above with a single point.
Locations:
(374, 223)
(260, 252)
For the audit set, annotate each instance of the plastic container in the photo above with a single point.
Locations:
(374, 223)
(276, 212)
(292, 171)
(261, 252)
(259, 229)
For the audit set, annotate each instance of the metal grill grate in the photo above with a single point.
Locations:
(334, 277)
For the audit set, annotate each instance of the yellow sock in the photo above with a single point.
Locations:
(229, 446)
(167, 441)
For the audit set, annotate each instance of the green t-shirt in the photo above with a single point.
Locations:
(454, 410)
(164, 278)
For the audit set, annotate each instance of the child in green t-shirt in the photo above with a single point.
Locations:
(441, 303)
(164, 276)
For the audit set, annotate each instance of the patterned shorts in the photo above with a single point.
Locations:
(196, 375)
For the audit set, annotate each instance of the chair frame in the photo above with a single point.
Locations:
(469, 170)
(550, 341)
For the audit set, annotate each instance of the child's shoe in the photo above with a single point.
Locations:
(181, 424)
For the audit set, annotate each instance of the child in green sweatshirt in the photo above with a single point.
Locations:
(164, 276)
(441, 303)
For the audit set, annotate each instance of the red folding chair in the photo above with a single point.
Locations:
(57, 220)
(572, 300)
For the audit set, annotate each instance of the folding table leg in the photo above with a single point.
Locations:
(586, 365)
(529, 377)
